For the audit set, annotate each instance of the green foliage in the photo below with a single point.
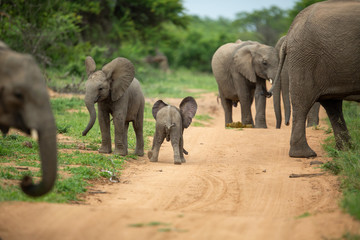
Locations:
(268, 23)
(346, 163)
(299, 6)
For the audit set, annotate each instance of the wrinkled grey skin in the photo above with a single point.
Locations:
(240, 70)
(118, 93)
(25, 105)
(313, 115)
(321, 67)
(170, 124)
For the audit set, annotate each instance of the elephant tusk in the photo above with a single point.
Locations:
(271, 81)
(34, 134)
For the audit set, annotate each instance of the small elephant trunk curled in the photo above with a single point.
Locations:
(91, 108)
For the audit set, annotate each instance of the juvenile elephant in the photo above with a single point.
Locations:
(313, 115)
(118, 93)
(322, 50)
(170, 124)
(25, 105)
(240, 70)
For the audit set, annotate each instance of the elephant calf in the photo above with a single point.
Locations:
(170, 124)
(118, 93)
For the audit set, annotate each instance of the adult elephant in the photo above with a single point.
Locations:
(118, 93)
(240, 70)
(313, 115)
(322, 50)
(25, 105)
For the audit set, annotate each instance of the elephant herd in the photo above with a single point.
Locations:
(317, 62)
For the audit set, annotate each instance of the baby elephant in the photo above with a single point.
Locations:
(170, 124)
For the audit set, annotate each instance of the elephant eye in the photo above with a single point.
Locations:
(264, 62)
(100, 88)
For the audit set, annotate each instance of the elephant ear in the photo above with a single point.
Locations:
(90, 65)
(121, 73)
(188, 107)
(244, 64)
(157, 106)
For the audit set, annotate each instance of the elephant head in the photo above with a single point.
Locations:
(25, 105)
(254, 60)
(187, 108)
(109, 83)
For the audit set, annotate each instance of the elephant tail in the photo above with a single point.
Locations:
(280, 66)
(168, 127)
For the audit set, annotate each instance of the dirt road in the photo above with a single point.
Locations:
(235, 185)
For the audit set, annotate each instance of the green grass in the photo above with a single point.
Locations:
(304, 215)
(346, 163)
(178, 84)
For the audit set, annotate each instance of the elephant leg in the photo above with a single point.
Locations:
(159, 138)
(334, 111)
(313, 115)
(298, 143)
(183, 160)
(121, 129)
(104, 122)
(138, 128)
(260, 104)
(227, 106)
(175, 142)
(245, 93)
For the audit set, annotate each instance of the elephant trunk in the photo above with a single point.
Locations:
(275, 89)
(277, 105)
(91, 108)
(48, 156)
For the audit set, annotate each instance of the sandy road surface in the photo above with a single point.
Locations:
(235, 185)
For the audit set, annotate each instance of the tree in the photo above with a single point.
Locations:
(269, 23)
(299, 6)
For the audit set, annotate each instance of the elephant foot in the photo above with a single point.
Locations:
(151, 157)
(105, 150)
(183, 160)
(260, 126)
(177, 160)
(120, 152)
(139, 153)
(304, 152)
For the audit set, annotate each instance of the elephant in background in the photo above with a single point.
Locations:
(313, 115)
(170, 124)
(118, 93)
(25, 105)
(240, 70)
(322, 50)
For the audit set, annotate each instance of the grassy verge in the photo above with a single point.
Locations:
(79, 169)
(346, 163)
(177, 84)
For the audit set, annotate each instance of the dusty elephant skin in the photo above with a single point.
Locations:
(240, 70)
(170, 124)
(322, 50)
(313, 115)
(25, 105)
(118, 93)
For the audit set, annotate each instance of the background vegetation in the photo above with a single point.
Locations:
(61, 33)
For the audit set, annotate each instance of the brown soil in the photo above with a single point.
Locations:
(235, 185)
